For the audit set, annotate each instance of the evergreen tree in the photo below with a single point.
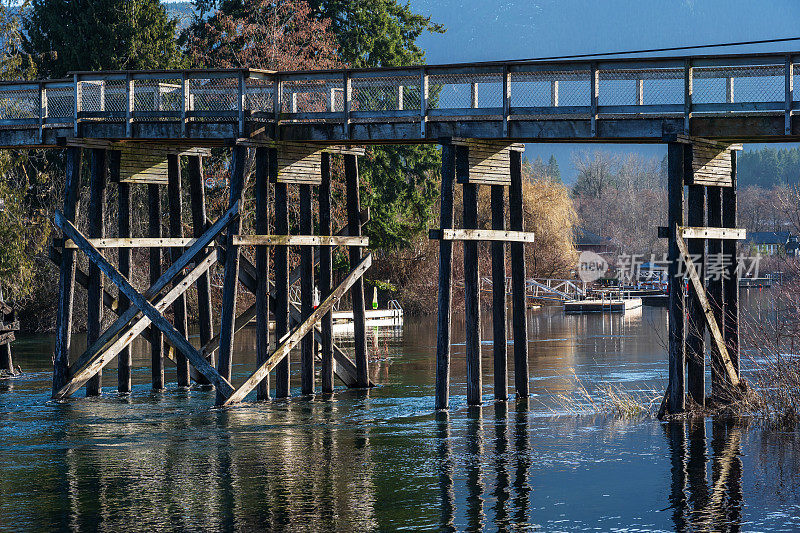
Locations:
(403, 179)
(552, 169)
(68, 35)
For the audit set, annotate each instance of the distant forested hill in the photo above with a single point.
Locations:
(769, 167)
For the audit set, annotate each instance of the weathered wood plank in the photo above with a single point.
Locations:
(300, 240)
(326, 274)
(445, 293)
(262, 268)
(231, 281)
(472, 320)
(197, 195)
(518, 281)
(357, 292)
(125, 360)
(702, 232)
(155, 256)
(281, 262)
(499, 343)
(94, 292)
(306, 226)
(731, 282)
(66, 278)
(480, 235)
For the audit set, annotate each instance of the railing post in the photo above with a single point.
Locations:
(400, 91)
(240, 102)
(348, 101)
(129, 90)
(506, 99)
(789, 78)
(688, 82)
(595, 96)
(423, 102)
(639, 92)
(729, 90)
(184, 102)
(554, 93)
(473, 96)
(78, 98)
(42, 110)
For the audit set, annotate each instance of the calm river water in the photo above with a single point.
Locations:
(382, 460)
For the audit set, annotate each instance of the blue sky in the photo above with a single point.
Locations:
(485, 30)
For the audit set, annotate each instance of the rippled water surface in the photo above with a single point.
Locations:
(382, 460)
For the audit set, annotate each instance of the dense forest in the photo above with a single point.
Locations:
(769, 167)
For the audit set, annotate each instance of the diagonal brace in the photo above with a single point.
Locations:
(716, 334)
(144, 305)
(80, 374)
(290, 341)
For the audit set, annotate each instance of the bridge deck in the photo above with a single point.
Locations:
(736, 97)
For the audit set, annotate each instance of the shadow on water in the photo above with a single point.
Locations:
(697, 502)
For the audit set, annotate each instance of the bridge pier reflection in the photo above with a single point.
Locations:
(698, 503)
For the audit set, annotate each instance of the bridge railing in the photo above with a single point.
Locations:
(629, 88)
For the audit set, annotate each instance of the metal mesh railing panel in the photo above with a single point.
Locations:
(157, 95)
(214, 94)
(312, 96)
(454, 91)
(259, 95)
(60, 102)
(19, 104)
(755, 83)
(103, 95)
(537, 89)
(654, 86)
(388, 93)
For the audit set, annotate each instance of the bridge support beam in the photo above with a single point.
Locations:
(473, 163)
(710, 304)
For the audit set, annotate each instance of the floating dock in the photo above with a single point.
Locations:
(579, 307)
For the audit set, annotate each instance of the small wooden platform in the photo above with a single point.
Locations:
(579, 307)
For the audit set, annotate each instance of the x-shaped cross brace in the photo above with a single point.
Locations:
(92, 360)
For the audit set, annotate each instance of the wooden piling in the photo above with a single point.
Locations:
(715, 295)
(124, 359)
(445, 296)
(472, 304)
(281, 264)
(326, 274)
(731, 282)
(499, 297)
(231, 281)
(94, 312)
(176, 230)
(306, 291)
(156, 337)
(518, 279)
(262, 268)
(696, 325)
(66, 277)
(677, 337)
(357, 291)
(205, 321)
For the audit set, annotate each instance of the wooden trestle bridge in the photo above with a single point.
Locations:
(138, 125)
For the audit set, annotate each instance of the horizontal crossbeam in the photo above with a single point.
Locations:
(480, 235)
(713, 233)
(701, 232)
(290, 341)
(133, 242)
(299, 240)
